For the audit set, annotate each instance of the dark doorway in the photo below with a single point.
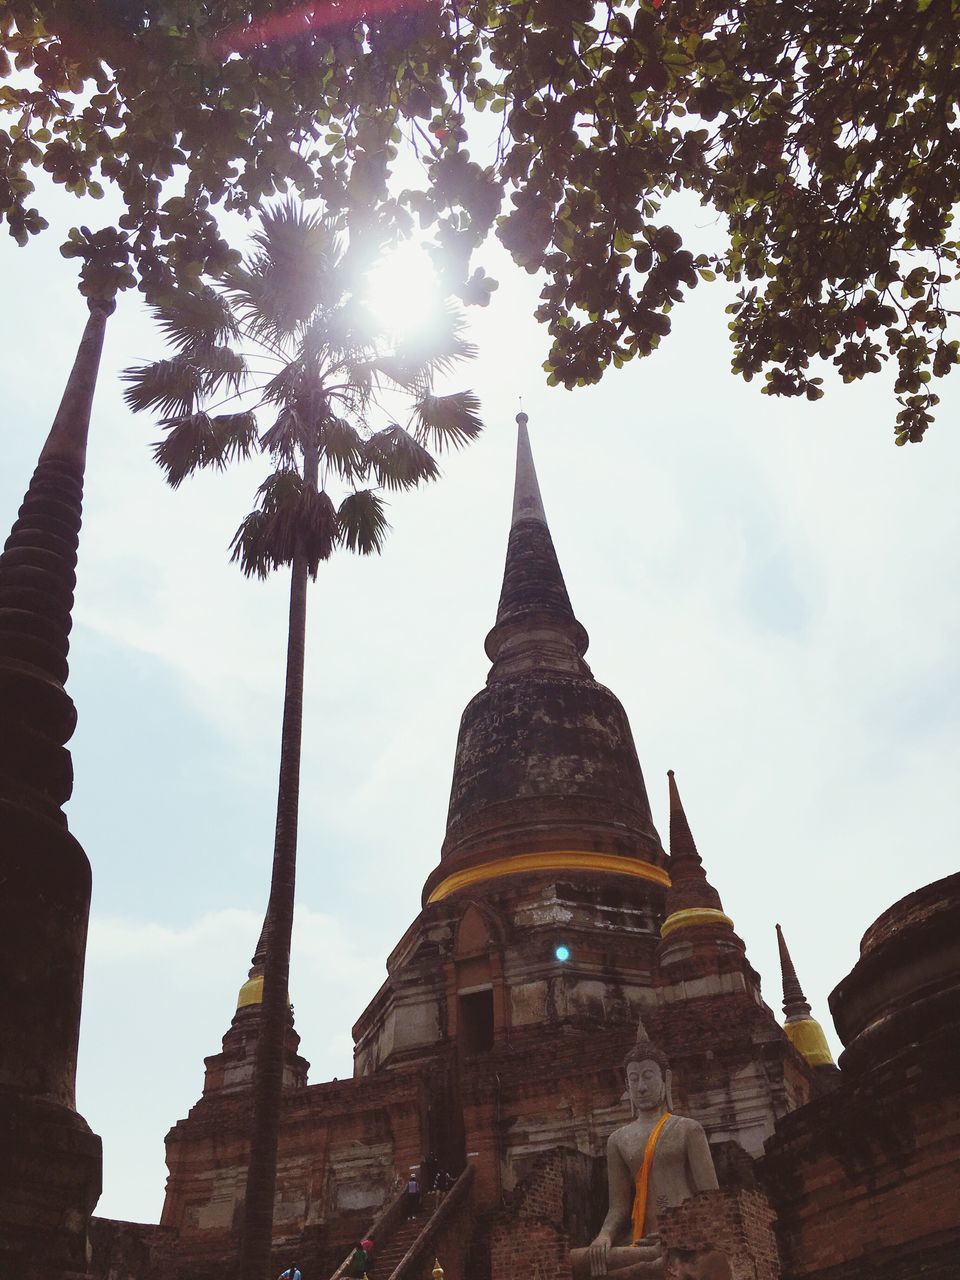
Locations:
(475, 1021)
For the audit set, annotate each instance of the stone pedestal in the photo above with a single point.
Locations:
(49, 1184)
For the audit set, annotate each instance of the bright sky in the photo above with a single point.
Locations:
(769, 587)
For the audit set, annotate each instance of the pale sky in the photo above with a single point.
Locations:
(768, 585)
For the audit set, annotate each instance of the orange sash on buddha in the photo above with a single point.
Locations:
(639, 1215)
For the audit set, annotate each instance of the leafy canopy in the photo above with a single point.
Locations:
(822, 132)
(287, 333)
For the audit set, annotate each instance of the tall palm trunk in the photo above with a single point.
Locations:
(257, 1231)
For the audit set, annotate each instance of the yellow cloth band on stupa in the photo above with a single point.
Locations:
(694, 915)
(562, 860)
(806, 1036)
(251, 992)
(642, 1183)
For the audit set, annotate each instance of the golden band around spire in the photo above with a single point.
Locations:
(806, 1036)
(561, 860)
(251, 992)
(694, 916)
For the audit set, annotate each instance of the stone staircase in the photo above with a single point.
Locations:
(401, 1243)
(388, 1256)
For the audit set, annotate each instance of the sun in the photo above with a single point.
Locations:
(403, 293)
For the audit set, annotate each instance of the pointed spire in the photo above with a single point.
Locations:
(681, 838)
(37, 579)
(233, 1067)
(794, 1001)
(536, 628)
(45, 874)
(527, 502)
(252, 990)
(803, 1030)
(690, 888)
(545, 776)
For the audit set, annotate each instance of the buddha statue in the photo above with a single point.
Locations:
(657, 1160)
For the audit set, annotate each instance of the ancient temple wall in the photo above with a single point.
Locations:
(733, 1068)
(737, 1223)
(406, 1016)
(130, 1251)
(507, 944)
(866, 1181)
(552, 1205)
(343, 1148)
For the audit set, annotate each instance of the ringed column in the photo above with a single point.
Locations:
(50, 1162)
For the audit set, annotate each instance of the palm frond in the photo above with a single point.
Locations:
(173, 387)
(343, 447)
(292, 272)
(357, 379)
(450, 421)
(251, 301)
(192, 321)
(219, 365)
(397, 460)
(363, 524)
(405, 374)
(249, 546)
(285, 437)
(292, 513)
(196, 441)
(343, 330)
(284, 387)
(319, 526)
(441, 348)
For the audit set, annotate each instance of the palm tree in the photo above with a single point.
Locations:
(288, 328)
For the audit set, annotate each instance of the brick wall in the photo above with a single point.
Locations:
(737, 1223)
(130, 1251)
(528, 1239)
(867, 1181)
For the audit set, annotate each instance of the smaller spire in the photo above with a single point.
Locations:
(682, 844)
(803, 1030)
(795, 1004)
(527, 502)
(252, 990)
(690, 889)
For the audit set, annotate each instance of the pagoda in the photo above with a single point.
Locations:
(552, 923)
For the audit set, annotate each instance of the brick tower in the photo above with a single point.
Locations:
(553, 921)
(50, 1162)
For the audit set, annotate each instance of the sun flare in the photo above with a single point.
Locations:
(403, 291)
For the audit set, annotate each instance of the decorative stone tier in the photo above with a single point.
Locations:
(906, 983)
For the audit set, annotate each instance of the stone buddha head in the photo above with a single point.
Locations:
(648, 1076)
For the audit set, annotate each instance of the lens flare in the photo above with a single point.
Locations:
(302, 19)
(402, 292)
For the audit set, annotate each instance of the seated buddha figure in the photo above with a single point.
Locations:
(657, 1160)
